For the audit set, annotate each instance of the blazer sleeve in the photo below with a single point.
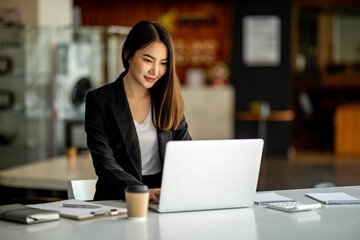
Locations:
(182, 132)
(112, 177)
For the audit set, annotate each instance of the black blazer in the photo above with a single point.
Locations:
(113, 141)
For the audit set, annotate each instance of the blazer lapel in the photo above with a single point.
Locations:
(122, 115)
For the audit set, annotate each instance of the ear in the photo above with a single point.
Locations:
(126, 55)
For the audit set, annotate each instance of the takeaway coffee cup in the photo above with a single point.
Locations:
(137, 202)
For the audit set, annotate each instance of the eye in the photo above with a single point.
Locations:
(147, 60)
(164, 63)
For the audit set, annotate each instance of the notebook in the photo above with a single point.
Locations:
(209, 174)
(24, 214)
(334, 198)
(264, 198)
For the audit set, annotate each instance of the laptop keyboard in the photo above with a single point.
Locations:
(154, 206)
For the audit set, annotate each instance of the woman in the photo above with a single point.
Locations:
(128, 122)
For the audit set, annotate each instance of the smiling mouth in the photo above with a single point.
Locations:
(150, 79)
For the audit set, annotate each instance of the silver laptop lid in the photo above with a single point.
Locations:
(210, 174)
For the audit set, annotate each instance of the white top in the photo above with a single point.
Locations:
(149, 147)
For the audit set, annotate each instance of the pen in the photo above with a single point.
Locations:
(105, 212)
(79, 205)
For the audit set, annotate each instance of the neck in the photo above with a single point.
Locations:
(133, 89)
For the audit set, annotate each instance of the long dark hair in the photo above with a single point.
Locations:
(166, 93)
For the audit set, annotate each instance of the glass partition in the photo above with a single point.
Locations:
(79, 67)
(25, 95)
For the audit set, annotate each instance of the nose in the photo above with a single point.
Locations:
(154, 69)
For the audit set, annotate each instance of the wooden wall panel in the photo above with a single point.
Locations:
(192, 20)
(347, 129)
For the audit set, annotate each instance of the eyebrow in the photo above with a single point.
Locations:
(147, 55)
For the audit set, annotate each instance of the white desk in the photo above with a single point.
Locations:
(50, 174)
(330, 223)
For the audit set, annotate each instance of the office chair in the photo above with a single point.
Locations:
(81, 189)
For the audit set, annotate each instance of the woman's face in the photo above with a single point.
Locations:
(149, 64)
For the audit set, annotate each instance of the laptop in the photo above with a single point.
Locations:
(209, 174)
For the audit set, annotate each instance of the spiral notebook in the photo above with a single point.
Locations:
(335, 198)
(264, 198)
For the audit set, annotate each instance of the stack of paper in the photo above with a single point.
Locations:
(80, 210)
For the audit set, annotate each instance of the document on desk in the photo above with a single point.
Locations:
(80, 210)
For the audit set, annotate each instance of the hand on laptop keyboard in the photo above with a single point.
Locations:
(155, 195)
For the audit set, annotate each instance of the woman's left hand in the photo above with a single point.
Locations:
(155, 194)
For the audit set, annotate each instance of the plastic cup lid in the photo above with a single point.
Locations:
(137, 188)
